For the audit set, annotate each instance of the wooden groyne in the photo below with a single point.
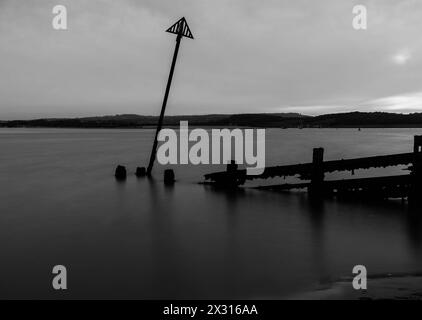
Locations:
(385, 187)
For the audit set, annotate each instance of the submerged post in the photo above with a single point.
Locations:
(180, 28)
(120, 172)
(317, 173)
(415, 197)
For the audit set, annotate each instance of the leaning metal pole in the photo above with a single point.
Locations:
(163, 108)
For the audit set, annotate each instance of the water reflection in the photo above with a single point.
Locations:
(164, 240)
(315, 210)
(187, 240)
(414, 229)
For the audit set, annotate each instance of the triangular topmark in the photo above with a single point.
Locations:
(182, 27)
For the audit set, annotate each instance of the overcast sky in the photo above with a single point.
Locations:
(248, 56)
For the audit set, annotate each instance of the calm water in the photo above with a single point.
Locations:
(60, 204)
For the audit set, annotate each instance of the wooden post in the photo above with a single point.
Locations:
(231, 175)
(317, 174)
(415, 197)
(169, 177)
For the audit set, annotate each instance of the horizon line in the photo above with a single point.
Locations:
(208, 114)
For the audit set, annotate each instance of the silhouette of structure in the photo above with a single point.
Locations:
(140, 172)
(317, 172)
(180, 28)
(120, 172)
(169, 177)
(400, 186)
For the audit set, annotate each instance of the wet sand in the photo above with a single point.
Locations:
(385, 287)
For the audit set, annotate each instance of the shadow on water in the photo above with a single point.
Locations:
(399, 211)
(232, 198)
(409, 217)
(315, 208)
(120, 183)
(121, 195)
(414, 228)
(164, 239)
(169, 189)
(230, 195)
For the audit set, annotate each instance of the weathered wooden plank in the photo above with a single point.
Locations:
(304, 170)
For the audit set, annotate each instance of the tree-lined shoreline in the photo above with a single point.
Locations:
(258, 120)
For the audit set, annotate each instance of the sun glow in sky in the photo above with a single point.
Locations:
(402, 57)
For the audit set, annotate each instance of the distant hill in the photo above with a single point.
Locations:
(264, 120)
(139, 121)
(367, 119)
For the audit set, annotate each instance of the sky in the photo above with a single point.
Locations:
(248, 56)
